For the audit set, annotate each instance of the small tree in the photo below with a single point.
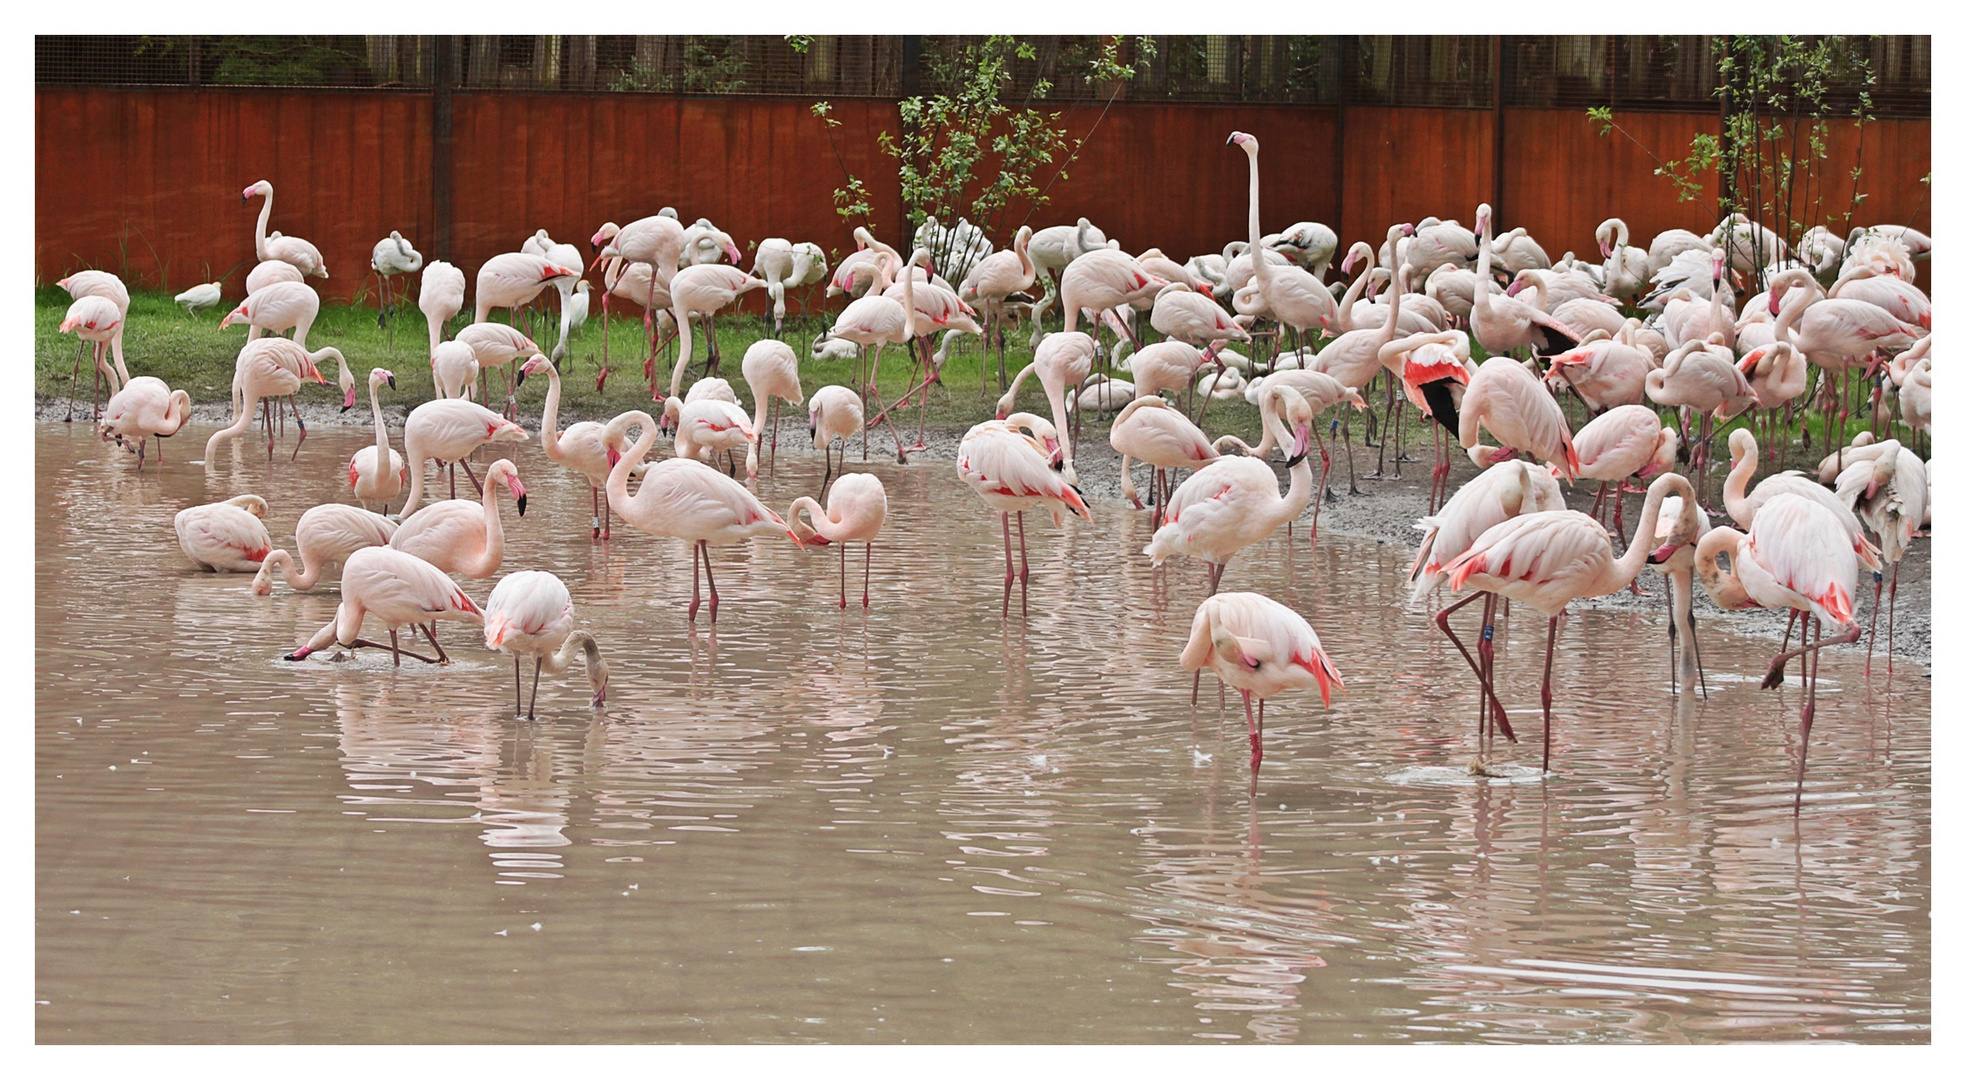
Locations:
(1779, 94)
(969, 153)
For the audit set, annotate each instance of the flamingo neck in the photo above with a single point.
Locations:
(1261, 267)
(1735, 493)
(381, 433)
(549, 421)
(1625, 569)
(682, 356)
(618, 476)
(259, 233)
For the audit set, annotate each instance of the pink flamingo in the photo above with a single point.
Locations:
(1504, 397)
(1503, 323)
(108, 286)
(1106, 279)
(440, 297)
(400, 590)
(656, 242)
(1152, 431)
(447, 430)
(271, 272)
(1889, 492)
(1433, 371)
(1602, 371)
(1624, 442)
(834, 412)
(1185, 315)
(1014, 472)
(95, 318)
(992, 281)
(877, 320)
(1233, 502)
(708, 425)
(1261, 648)
(854, 510)
(1295, 298)
(704, 290)
(530, 613)
(267, 368)
(285, 305)
(1792, 557)
(496, 345)
(376, 473)
(224, 536)
(513, 279)
(1550, 558)
(1062, 361)
(325, 536)
(582, 448)
(462, 536)
(304, 256)
(771, 370)
(688, 500)
(454, 370)
(145, 407)
(1701, 376)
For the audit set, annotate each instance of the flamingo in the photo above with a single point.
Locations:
(512, 280)
(992, 281)
(325, 536)
(1899, 298)
(1062, 361)
(1700, 375)
(392, 255)
(440, 297)
(95, 318)
(1603, 371)
(1165, 365)
(462, 536)
(1792, 557)
(496, 345)
(656, 242)
(1153, 431)
(1833, 333)
(454, 369)
(704, 289)
(304, 256)
(1104, 280)
(854, 511)
(285, 305)
(1052, 250)
(144, 407)
(1549, 558)
(447, 430)
(271, 272)
(1625, 267)
(1185, 315)
(224, 536)
(834, 412)
(1320, 392)
(400, 590)
(1295, 298)
(1354, 358)
(1502, 323)
(1889, 492)
(530, 613)
(936, 307)
(704, 244)
(707, 425)
(268, 368)
(568, 256)
(880, 321)
(1506, 399)
(375, 473)
(1692, 318)
(1014, 472)
(1674, 546)
(1433, 371)
(199, 296)
(1435, 244)
(582, 448)
(771, 370)
(688, 500)
(1624, 442)
(1233, 502)
(1261, 648)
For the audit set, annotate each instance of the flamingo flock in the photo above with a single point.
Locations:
(1654, 344)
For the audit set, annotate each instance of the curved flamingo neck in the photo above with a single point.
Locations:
(1299, 495)
(259, 233)
(618, 476)
(549, 421)
(282, 563)
(1352, 293)
(1735, 493)
(493, 552)
(682, 355)
(1625, 569)
(1025, 267)
(799, 526)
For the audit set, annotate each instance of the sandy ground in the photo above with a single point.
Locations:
(1384, 510)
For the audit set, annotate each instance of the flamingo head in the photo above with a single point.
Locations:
(1243, 139)
(379, 376)
(512, 484)
(606, 233)
(1300, 443)
(348, 398)
(237, 314)
(1516, 286)
(259, 187)
(533, 366)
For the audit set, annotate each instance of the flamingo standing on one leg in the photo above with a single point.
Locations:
(688, 500)
(325, 536)
(1014, 472)
(854, 511)
(1888, 491)
(1794, 556)
(304, 256)
(1550, 558)
(400, 590)
(530, 613)
(1261, 648)
(393, 255)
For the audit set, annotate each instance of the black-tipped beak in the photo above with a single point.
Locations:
(521, 500)
(521, 380)
(1230, 141)
(1292, 463)
(392, 382)
(345, 408)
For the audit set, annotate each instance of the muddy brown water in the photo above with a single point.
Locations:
(925, 823)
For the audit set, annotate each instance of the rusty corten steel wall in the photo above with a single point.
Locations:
(146, 183)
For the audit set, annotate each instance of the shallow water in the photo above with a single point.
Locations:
(922, 822)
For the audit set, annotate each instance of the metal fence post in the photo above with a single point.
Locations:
(440, 148)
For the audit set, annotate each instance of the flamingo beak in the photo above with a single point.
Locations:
(736, 256)
(1515, 287)
(1301, 444)
(518, 493)
(348, 400)
(392, 382)
(1662, 553)
(613, 457)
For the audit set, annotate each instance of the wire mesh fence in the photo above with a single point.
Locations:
(1639, 71)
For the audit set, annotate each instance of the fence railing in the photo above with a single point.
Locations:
(1642, 71)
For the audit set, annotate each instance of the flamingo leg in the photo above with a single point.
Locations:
(1255, 736)
(467, 472)
(430, 632)
(516, 698)
(843, 574)
(1774, 677)
(710, 576)
(1009, 571)
(1023, 566)
(1488, 689)
(695, 550)
(594, 501)
(1549, 664)
(1808, 711)
(1323, 478)
(299, 423)
(867, 576)
(533, 701)
(1876, 601)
